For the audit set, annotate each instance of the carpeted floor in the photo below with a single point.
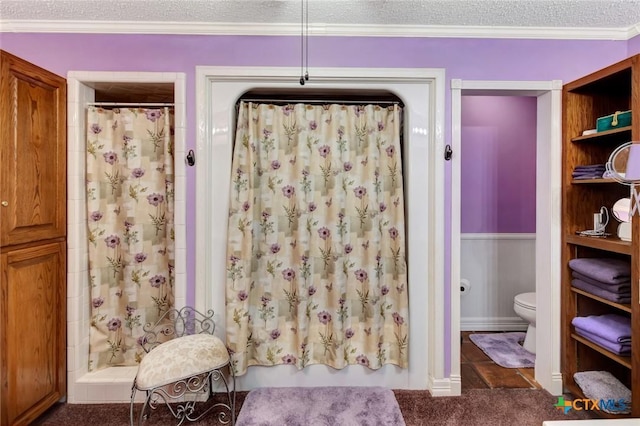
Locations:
(477, 407)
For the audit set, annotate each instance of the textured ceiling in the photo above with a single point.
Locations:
(618, 14)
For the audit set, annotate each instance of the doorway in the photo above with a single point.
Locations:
(110, 385)
(547, 246)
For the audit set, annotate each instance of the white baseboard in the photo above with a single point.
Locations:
(445, 387)
(556, 388)
(492, 324)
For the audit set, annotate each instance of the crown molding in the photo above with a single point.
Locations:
(230, 28)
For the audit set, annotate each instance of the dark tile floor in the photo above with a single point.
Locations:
(478, 371)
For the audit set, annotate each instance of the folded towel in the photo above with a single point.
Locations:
(612, 327)
(622, 287)
(588, 176)
(602, 385)
(607, 270)
(590, 167)
(616, 348)
(600, 292)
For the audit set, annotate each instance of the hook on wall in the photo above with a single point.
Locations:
(191, 158)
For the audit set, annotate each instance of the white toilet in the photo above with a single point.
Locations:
(524, 304)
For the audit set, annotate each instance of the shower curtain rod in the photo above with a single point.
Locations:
(128, 104)
(323, 101)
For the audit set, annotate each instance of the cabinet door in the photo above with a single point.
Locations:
(32, 331)
(32, 152)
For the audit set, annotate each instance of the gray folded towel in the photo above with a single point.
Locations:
(602, 385)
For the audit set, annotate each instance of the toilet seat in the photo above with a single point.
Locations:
(526, 300)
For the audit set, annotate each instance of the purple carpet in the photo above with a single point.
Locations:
(344, 406)
(505, 349)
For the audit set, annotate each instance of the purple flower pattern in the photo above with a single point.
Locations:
(332, 235)
(110, 155)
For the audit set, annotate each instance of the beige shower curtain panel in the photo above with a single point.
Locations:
(316, 269)
(130, 230)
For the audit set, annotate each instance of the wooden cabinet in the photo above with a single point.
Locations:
(33, 330)
(33, 133)
(32, 240)
(615, 88)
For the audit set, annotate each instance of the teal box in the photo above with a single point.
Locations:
(614, 121)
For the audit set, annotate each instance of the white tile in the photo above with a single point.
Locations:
(81, 393)
(180, 290)
(72, 114)
(76, 189)
(73, 309)
(180, 302)
(72, 89)
(179, 215)
(71, 358)
(83, 357)
(73, 259)
(181, 259)
(180, 181)
(99, 76)
(73, 168)
(73, 286)
(75, 157)
(180, 119)
(76, 212)
(181, 236)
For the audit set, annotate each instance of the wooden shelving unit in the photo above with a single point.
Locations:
(614, 88)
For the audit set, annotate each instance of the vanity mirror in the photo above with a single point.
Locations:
(624, 164)
(624, 167)
(621, 212)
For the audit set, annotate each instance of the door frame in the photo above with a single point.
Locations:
(548, 216)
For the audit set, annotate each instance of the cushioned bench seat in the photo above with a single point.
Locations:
(181, 358)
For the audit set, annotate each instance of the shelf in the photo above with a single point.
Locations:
(607, 135)
(622, 306)
(592, 181)
(610, 243)
(622, 360)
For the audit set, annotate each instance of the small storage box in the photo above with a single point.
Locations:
(614, 121)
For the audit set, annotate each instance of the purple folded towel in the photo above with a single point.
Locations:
(624, 297)
(606, 270)
(588, 176)
(612, 327)
(614, 288)
(617, 348)
(590, 167)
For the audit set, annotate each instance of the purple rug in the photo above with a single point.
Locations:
(505, 349)
(330, 406)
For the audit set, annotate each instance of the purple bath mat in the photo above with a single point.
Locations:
(330, 406)
(505, 349)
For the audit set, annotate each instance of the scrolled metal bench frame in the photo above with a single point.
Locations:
(174, 324)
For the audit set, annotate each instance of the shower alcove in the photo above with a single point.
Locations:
(422, 93)
(113, 384)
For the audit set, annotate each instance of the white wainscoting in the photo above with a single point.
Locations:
(497, 267)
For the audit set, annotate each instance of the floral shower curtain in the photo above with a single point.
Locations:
(316, 268)
(130, 228)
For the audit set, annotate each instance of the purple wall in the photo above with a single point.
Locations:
(498, 173)
(464, 58)
(634, 46)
